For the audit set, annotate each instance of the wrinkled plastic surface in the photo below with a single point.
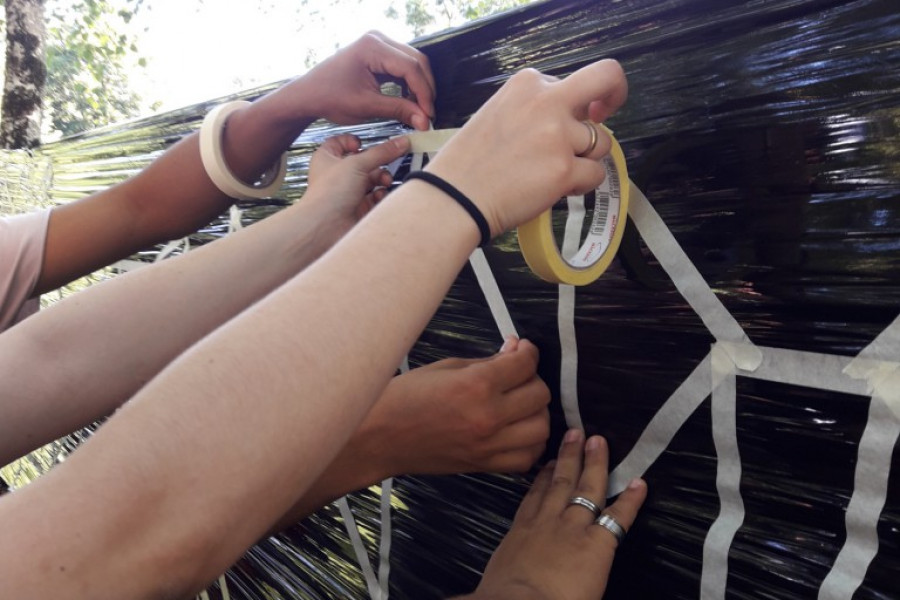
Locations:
(766, 135)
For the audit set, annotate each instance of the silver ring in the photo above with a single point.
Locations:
(612, 526)
(581, 501)
(593, 143)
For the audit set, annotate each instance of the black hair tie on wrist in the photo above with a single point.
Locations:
(460, 198)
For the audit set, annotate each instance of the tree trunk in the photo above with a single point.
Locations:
(26, 73)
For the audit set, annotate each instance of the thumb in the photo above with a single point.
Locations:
(381, 154)
(339, 145)
(401, 109)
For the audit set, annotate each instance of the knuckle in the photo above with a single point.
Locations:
(562, 481)
(483, 423)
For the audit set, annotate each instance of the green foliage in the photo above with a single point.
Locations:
(87, 61)
(424, 16)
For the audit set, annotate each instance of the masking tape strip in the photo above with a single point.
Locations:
(359, 549)
(873, 469)
(429, 142)
(492, 294)
(714, 573)
(790, 367)
(690, 283)
(565, 318)
(184, 244)
(384, 549)
(662, 428)
(590, 261)
(874, 362)
(379, 586)
(806, 369)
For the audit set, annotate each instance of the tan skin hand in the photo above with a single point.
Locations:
(459, 416)
(356, 73)
(554, 550)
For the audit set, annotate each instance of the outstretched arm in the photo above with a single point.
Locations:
(103, 344)
(452, 416)
(174, 197)
(145, 509)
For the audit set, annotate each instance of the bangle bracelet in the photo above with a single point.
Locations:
(213, 158)
(460, 198)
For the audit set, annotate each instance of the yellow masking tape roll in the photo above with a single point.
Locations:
(538, 244)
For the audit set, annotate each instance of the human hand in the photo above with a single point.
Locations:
(348, 182)
(458, 416)
(346, 88)
(523, 149)
(554, 550)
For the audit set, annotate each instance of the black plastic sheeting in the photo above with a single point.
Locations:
(766, 135)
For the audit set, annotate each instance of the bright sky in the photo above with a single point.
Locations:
(201, 49)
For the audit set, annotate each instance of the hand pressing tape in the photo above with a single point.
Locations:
(538, 244)
(536, 239)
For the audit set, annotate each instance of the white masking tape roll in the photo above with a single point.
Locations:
(213, 157)
(539, 245)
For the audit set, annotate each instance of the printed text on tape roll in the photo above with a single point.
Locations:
(539, 246)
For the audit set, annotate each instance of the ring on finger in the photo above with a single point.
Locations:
(582, 501)
(612, 526)
(593, 143)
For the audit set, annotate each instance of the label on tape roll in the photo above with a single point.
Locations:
(594, 255)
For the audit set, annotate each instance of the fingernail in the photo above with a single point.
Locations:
(572, 436)
(594, 443)
(401, 142)
(509, 344)
(420, 122)
(634, 484)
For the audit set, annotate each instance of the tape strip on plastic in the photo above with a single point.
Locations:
(873, 469)
(690, 283)
(538, 244)
(714, 572)
(565, 318)
(661, 429)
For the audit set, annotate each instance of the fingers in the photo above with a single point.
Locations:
(566, 474)
(596, 91)
(512, 368)
(529, 398)
(624, 510)
(400, 109)
(531, 505)
(404, 63)
(592, 483)
(587, 145)
(424, 67)
(341, 145)
(375, 156)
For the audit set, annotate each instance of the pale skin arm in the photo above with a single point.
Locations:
(274, 394)
(453, 416)
(109, 340)
(173, 196)
(492, 412)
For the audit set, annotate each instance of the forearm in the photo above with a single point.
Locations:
(272, 396)
(104, 343)
(171, 198)
(359, 465)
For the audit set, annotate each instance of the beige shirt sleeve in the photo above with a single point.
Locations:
(22, 239)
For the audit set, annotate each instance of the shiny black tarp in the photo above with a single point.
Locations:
(766, 135)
